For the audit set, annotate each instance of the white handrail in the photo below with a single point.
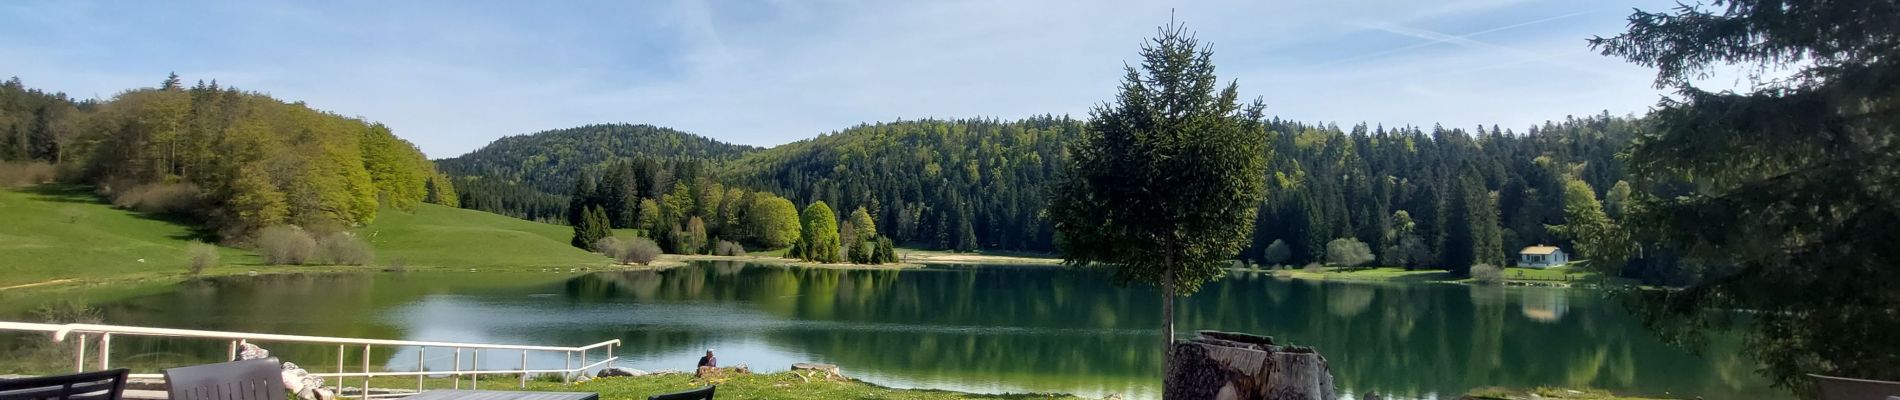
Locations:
(104, 333)
(66, 329)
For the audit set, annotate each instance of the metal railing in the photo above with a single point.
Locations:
(103, 334)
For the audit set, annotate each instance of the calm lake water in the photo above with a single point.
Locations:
(980, 329)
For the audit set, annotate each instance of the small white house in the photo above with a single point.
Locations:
(1541, 256)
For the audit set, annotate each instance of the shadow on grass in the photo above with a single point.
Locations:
(62, 193)
(195, 228)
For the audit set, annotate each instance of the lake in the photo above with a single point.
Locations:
(979, 329)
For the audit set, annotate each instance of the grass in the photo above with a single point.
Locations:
(1563, 273)
(63, 235)
(1547, 393)
(53, 232)
(440, 236)
(775, 386)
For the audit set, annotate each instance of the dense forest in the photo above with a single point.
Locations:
(956, 184)
(236, 161)
(530, 176)
(1446, 197)
(1416, 197)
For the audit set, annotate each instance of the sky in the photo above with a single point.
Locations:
(452, 76)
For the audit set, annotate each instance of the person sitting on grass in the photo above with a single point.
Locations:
(708, 360)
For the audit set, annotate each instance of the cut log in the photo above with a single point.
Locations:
(1226, 365)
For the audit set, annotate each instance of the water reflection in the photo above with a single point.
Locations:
(990, 329)
(1545, 305)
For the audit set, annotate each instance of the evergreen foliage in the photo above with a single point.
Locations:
(1779, 199)
(1164, 184)
(591, 226)
(527, 176)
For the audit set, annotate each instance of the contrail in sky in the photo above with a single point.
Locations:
(1441, 38)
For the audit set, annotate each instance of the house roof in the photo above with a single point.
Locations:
(1539, 250)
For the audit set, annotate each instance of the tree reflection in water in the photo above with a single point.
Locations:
(969, 328)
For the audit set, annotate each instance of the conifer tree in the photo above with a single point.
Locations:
(1163, 185)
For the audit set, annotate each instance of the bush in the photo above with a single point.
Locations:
(629, 251)
(1314, 268)
(159, 198)
(286, 244)
(1348, 253)
(1278, 252)
(26, 174)
(725, 248)
(1487, 274)
(641, 251)
(202, 256)
(68, 311)
(344, 248)
(611, 246)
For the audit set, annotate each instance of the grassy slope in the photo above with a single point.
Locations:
(61, 232)
(50, 233)
(438, 236)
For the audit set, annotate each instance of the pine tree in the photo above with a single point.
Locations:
(171, 83)
(579, 200)
(1792, 215)
(1164, 183)
(593, 226)
(1473, 237)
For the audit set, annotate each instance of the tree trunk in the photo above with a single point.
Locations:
(1237, 366)
(1167, 315)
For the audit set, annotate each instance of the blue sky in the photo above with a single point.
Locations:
(452, 76)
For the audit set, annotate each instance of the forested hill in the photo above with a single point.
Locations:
(237, 161)
(529, 176)
(956, 184)
(1416, 196)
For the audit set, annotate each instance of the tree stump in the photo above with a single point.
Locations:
(1238, 366)
(830, 371)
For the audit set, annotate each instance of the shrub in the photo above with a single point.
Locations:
(610, 246)
(202, 256)
(629, 251)
(1348, 253)
(344, 248)
(1314, 268)
(286, 244)
(1487, 274)
(26, 174)
(68, 311)
(1278, 252)
(159, 198)
(640, 251)
(725, 248)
